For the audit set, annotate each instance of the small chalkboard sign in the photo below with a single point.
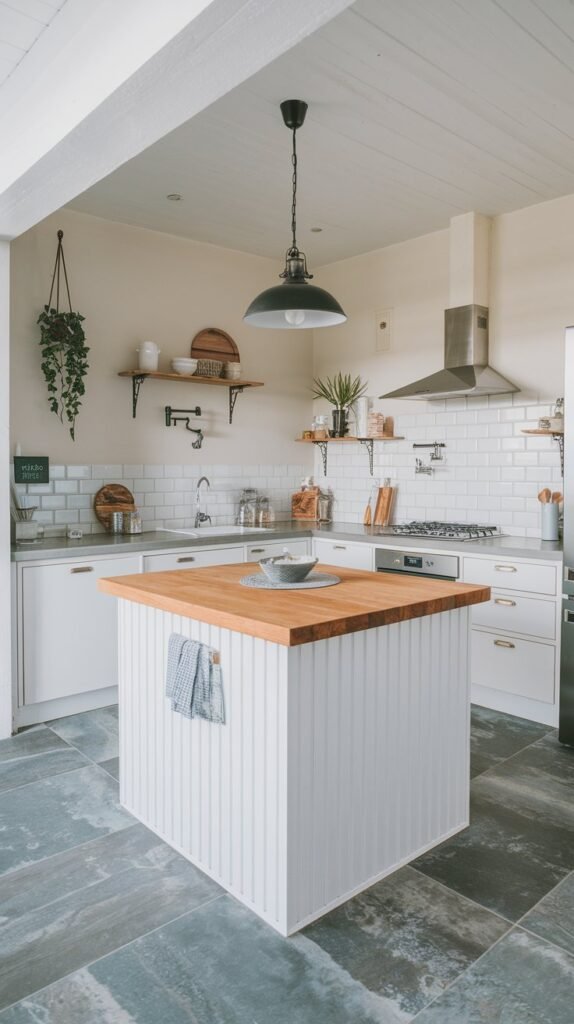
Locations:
(31, 469)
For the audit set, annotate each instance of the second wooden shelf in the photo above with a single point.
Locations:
(367, 442)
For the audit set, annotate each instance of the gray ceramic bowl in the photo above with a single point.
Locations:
(287, 568)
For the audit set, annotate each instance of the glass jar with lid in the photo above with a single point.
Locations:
(265, 513)
(320, 428)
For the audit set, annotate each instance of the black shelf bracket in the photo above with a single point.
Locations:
(137, 382)
(560, 439)
(233, 393)
(322, 446)
(369, 444)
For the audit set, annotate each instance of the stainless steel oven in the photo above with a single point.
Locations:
(417, 563)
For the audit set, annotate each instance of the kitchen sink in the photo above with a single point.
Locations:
(220, 531)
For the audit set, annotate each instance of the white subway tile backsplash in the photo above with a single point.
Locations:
(40, 488)
(90, 486)
(78, 472)
(78, 501)
(66, 487)
(109, 471)
(66, 516)
(491, 470)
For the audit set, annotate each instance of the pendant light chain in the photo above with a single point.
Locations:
(294, 183)
(295, 303)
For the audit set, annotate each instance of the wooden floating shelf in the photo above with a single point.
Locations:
(343, 440)
(557, 435)
(367, 442)
(235, 387)
(545, 433)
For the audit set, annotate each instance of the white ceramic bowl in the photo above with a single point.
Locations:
(287, 568)
(184, 366)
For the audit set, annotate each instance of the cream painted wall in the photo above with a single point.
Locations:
(409, 279)
(133, 284)
(532, 295)
(531, 301)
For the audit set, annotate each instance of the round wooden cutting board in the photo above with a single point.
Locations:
(112, 498)
(213, 343)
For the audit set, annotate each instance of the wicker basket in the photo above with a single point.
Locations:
(209, 368)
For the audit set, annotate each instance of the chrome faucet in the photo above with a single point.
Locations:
(200, 517)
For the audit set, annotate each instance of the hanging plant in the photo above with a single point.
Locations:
(64, 351)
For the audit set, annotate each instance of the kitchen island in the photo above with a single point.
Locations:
(345, 750)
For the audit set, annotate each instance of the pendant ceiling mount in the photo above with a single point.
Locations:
(295, 303)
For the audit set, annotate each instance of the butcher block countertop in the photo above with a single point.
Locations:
(290, 617)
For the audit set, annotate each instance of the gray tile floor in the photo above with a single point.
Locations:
(102, 923)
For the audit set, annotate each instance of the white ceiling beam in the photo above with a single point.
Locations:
(107, 80)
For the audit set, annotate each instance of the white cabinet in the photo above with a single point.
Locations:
(508, 612)
(344, 553)
(191, 558)
(256, 551)
(515, 636)
(520, 667)
(511, 574)
(68, 639)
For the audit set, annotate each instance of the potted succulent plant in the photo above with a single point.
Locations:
(64, 349)
(342, 392)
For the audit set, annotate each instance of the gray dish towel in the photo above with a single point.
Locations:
(193, 680)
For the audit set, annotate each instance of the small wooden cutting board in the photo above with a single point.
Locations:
(383, 506)
(112, 498)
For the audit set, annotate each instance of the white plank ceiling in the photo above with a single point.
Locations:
(21, 24)
(418, 110)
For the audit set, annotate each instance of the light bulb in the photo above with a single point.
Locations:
(295, 317)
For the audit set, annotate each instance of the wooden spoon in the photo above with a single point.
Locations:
(557, 497)
(545, 495)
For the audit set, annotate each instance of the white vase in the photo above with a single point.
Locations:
(362, 408)
(148, 356)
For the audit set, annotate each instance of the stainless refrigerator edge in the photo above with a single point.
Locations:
(566, 722)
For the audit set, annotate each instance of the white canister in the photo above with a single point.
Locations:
(148, 356)
(549, 520)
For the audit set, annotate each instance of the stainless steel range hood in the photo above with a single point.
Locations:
(466, 370)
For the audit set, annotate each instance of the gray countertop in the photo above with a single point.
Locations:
(107, 544)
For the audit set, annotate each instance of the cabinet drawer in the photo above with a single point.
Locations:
(521, 667)
(348, 556)
(510, 613)
(509, 574)
(192, 558)
(254, 552)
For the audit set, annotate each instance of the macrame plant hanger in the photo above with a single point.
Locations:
(59, 266)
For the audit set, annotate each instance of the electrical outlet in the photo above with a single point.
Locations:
(383, 330)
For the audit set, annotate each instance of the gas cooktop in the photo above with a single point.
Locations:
(445, 531)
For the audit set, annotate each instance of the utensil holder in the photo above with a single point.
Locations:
(549, 520)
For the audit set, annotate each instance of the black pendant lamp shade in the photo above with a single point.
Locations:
(295, 303)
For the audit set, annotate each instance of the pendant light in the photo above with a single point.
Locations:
(294, 304)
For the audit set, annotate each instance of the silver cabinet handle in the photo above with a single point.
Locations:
(339, 547)
(505, 568)
(187, 558)
(503, 643)
(82, 568)
(257, 551)
(505, 601)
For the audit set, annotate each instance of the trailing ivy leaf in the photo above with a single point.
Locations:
(64, 362)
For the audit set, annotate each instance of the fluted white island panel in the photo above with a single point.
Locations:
(340, 760)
